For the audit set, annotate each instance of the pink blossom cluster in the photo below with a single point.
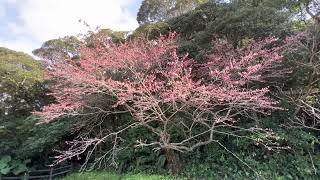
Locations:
(146, 75)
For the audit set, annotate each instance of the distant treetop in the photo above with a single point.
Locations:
(155, 10)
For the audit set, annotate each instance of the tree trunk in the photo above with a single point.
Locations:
(173, 161)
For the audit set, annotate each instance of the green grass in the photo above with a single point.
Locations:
(104, 175)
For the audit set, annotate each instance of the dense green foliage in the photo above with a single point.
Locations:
(153, 10)
(22, 91)
(18, 70)
(25, 144)
(57, 49)
(235, 21)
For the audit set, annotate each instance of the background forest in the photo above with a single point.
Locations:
(208, 89)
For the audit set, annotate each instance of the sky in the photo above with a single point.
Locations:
(26, 24)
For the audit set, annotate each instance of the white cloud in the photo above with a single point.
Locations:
(2, 12)
(10, 1)
(41, 20)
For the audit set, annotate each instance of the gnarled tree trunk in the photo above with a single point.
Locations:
(173, 161)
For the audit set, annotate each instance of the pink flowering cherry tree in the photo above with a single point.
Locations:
(164, 92)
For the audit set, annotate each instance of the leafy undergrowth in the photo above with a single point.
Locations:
(105, 175)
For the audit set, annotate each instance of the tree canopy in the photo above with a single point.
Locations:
(19, 73)
(154, 10)
(18, 69)
(58, 49)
